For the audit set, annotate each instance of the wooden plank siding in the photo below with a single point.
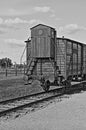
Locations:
(43, 40)
(84, 59)
(60, 56)
(73, 58)
(69, 57)
(47, 69)
(79, 59)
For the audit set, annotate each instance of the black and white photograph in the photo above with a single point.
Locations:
(42, 65)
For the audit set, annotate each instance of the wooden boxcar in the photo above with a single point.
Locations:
(53, 57)
(43, 41)
(71, 58)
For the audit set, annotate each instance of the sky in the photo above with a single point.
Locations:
(18, 16)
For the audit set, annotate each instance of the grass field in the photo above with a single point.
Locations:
(11, 87)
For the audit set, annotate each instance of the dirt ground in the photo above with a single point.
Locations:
(68, 114)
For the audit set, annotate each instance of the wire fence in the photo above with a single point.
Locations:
(9, 72)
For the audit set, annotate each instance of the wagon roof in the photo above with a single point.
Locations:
(69, 40)
(42, 25)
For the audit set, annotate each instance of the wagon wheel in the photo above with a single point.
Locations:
(55, 82)
(67, 83)
(46, 86)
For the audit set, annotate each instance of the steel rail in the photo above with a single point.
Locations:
(2, 113)
(56, 93)
(27, 96)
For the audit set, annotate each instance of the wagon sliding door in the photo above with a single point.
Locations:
(72, 58)
(61, 56)
(79, 59)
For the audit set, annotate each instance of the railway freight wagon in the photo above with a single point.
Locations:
(54, 60)
(71, 58)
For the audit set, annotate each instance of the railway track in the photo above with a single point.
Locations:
(16, 104)
(13, 105)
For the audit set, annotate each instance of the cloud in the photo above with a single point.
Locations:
(21, 21)
(17, 20)
(13, 21)
(10, 24)
(71, 29)
(52, 15)
(14, 24)
(1, 21)
(15, 12)
(3, 52)
(35, 21)
(43, 9)
(6, 27)
(15, 42)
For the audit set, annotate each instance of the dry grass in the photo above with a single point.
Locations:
(14, 87)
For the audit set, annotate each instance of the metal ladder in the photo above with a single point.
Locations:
(31, 66)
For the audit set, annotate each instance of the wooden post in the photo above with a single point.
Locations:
(15, 69)
(6, 69)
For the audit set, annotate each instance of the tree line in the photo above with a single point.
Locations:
(5, 62)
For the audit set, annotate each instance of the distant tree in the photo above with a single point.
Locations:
(5, 62)
(20, 65)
